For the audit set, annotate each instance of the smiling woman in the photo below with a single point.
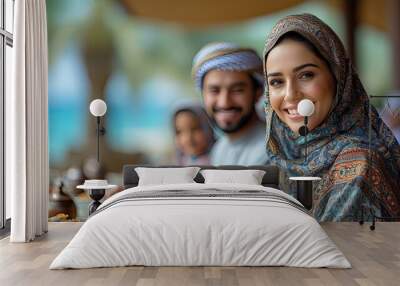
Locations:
(295, 72)
(304, 59)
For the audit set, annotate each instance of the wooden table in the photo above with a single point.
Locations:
(374, 255)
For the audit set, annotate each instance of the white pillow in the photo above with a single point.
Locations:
(163, 176)
(248, 177)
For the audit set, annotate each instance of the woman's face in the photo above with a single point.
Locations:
(189, 136)
(294, 73)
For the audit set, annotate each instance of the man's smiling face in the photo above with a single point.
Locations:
(229, 98)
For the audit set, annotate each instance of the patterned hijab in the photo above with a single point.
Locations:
(338, 148)
(228, 57)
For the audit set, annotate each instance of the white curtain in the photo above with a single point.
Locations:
(27, 170)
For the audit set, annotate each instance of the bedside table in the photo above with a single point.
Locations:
(96, 190)
(305, 190)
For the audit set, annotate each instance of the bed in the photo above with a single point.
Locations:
(201, 224)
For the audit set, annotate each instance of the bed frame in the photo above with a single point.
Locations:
(270, 179)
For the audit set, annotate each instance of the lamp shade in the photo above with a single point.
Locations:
(305, 107)
(98, 107)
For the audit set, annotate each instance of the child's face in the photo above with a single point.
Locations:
(189, 136)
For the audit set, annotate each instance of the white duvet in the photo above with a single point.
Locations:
(183, 231)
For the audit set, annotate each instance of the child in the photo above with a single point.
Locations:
(194, 136)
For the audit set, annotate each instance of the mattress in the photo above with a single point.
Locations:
(201, 225)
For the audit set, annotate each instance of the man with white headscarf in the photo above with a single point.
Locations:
(231, 81)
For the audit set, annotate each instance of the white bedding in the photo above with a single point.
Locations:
(182, 231)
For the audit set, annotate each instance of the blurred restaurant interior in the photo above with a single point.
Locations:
(137, 55)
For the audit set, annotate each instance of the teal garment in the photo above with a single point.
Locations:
(249, 149)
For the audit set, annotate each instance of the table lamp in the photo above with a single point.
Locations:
(98, 108)
(305, 108)
(305, 184)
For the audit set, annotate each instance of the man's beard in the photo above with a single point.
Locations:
(235, 127)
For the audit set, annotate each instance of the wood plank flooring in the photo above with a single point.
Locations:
(374, 255)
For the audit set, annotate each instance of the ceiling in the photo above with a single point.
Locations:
(197, 14)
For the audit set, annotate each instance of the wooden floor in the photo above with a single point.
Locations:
(374, 255)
